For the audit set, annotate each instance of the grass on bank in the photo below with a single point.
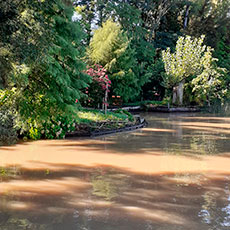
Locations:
(86, 116)
(96, 120)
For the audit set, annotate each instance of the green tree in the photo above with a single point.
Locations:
(129, 17)
(57, 79)
(107, 44)
(141, 20)
(191, 58)
(86, 10)
(49, 85)
(222, 53)
(110, 47)
(153, 13)
(209, 84)
(208, 17)
(21, 36)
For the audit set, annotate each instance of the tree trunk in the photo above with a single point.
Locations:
(180, 92)
(209, 104)
(174, 100)
(186, 17)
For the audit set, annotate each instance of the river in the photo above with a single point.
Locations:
(172, 175)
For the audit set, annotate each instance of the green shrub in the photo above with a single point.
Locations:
(54, 127)
(8, 134)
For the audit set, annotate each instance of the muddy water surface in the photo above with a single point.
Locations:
(172, 175)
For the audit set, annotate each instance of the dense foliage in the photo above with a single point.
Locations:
(110, 48)
(47, 85)
(8, 133)
(97, 92)
(45, 47)
(192, 59)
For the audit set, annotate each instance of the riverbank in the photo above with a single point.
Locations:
(158, 108)
(84, 122)
(107, 124)
(168, 109)
(106, 127)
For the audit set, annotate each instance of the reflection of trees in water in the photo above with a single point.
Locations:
(22, 224)
(217, 217)
(187, 179)
(9, 221)
(185, 140)
(175, 149)
(201, 144)
(100, 206)
(108, 184)
(18, 220)
(209, 208)
(226, 210)
(9, 172)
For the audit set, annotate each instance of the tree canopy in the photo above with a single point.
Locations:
(191, 59)
(149, 49)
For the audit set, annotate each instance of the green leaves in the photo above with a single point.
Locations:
(209, 84)
(185, 61)
(49, 80)
(108, 43)
(61, 70)
(111, 48)
(192, 58)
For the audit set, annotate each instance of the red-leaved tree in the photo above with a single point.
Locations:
(99, 87)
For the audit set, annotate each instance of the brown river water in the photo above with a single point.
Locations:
(172, 175)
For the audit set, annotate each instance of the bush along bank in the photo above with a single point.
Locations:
(84, 122)
(113, 122)
(61, 126)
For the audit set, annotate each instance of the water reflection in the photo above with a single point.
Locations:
(107, 184)
(7, 173)
(172, 175)
(113, 199)
(183, 135)
(215, 210)
(175, 134)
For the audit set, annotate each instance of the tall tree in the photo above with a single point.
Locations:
(110, 47)
(87, 12)
(209, 17)
(50, 83)
(191, 58)
(21, 36)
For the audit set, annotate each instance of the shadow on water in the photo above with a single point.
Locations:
(172, 175)
(77, 197)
